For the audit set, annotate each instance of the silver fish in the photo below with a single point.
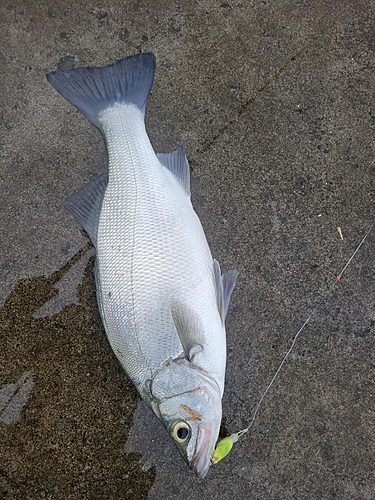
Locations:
(161, 295)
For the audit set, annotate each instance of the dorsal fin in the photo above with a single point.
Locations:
(228, 282)
(86, 203)
(225, 284)
(177, 163)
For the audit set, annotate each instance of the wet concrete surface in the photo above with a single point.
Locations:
(274, 102)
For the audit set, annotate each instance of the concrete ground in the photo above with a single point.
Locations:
(275, 103)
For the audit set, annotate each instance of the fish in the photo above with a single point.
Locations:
(161, 295)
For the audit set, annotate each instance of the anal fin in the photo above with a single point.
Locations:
(86, 203)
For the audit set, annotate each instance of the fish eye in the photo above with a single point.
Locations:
(181, 432)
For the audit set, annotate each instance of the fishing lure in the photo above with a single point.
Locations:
(225, 445)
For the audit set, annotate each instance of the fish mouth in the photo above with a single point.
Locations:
(201, 460)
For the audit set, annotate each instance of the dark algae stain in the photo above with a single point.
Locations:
(69, 441)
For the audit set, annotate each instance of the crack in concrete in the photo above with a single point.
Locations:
(208, 143)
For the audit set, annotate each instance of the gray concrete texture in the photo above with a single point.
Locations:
(275, 103)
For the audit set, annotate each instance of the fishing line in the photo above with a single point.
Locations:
(356, 250)
(225, 445)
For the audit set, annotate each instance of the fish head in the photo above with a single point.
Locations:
(192, 420)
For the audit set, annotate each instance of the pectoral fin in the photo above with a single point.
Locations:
(188, 328)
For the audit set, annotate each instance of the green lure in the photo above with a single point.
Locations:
(223, 448)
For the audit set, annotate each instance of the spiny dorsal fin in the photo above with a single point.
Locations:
(86, 203)
(177, 163)
(225, 284)
(228, 282)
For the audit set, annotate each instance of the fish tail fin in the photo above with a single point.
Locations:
(92, 90)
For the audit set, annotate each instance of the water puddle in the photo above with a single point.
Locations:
(66, 406)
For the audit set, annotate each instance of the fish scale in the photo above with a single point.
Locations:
(161, 295)
(146, 216)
